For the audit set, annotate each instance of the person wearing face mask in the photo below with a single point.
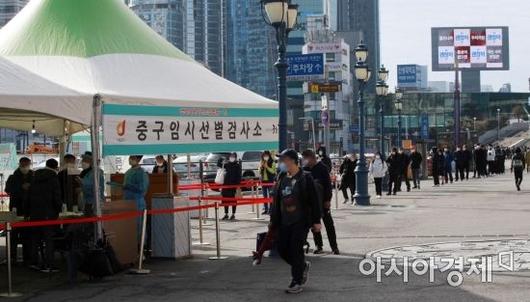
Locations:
(323, 155)
(45, 203)
(448, 166)
(87, 185)
(460, 164)
(378, 169)
(232, 177)
(324, 189)
(395, 169)
(295, 210)
(17, 187)
(161, 165)
(267, 173)
(136, 182)
(69, 184)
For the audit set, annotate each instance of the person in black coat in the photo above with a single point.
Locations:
(323, 155)
(17, 187)
(320, 175)
(415, 165)
(468, 157)
(438, 164)
(232, 177)
(405, 163)
(161, 165)
(395, 168)
(44, 204)
(459, 158)
(347, 172)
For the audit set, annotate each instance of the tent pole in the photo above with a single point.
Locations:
(94, 134)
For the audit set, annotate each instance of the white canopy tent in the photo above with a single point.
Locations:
(60, 57)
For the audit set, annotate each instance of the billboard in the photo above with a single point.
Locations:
(412, 76)
(475, 48)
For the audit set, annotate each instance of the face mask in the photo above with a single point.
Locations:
(24, 170)
(70, 166)
(305, 163)
(320, 153)
(446, 150)
(232, 159)
(283, 167)
(159, 164)
(266, 158)
(85, 166)
(378, 157)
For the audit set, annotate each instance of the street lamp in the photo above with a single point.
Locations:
(362, 74)
(281, 15)
(474, 123)
(498, 124)
(381, 89)
(312, 120)
(399, 107)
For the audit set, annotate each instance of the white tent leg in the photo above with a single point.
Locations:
(94, 133)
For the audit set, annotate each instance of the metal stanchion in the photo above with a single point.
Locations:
(217, 235)
(140, 270)
(254, 210)
(257, 205)
(10, 293)
(336, 193)
(201, 238)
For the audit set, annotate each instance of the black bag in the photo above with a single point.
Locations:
(101, 261)
(260, 237)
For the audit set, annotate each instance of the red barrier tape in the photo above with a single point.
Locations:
(213, 186)
(129, 215)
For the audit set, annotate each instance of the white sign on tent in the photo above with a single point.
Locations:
(135, 129)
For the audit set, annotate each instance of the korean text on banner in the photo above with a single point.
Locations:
(137, 129)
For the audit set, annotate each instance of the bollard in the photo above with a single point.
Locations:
(10, 293)
(201, 238)
(140, 270)
(217, 235)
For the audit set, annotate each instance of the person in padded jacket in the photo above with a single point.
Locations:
(232, 177)
(44, 204)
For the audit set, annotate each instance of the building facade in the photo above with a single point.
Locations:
(9, 8)
(251, 48)
(333, 92)
(197, 27)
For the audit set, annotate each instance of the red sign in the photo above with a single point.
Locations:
(478, 37)
(463, 54)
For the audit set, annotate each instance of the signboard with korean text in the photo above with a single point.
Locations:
(136, 129)
(324, 87)
(311, 48)
(477, 48)
(305, 67)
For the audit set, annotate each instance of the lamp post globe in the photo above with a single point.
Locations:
(282, 16)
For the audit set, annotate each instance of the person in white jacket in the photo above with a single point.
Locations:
(378, 169)
(491, 160)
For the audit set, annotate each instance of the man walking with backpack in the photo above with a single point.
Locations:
(323, 183)
(295, 210)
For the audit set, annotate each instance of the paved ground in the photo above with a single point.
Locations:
(409, 224)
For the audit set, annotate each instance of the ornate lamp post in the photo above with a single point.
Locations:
(381, 90)
(281, 15)
(399, 108)
(362, 74)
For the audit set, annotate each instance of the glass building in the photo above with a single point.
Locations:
(197, 27)
(9, 8)
(251, 48)
(478, 114)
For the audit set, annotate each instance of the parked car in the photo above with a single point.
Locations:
(148, 163)
(181, 165)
